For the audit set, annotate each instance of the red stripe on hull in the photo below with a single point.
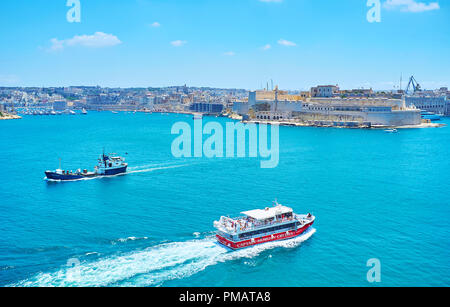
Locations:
(276, 237)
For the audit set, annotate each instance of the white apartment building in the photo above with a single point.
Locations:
(324, 91)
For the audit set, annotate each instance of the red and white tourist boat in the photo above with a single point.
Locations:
(262, 226)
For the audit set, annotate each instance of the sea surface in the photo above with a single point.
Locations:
(375, 195)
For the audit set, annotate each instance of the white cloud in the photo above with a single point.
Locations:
(155, 25)
(412, 6)
(56, 44)
(266, 47)
(178, 43)
(97, 40)
(286, 43)
(230, 53)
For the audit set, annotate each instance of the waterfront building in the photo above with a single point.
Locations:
(325, 91)
(305, 94)
(240, 107)
(275, 101)
(372, 111)
(103, 101)
(59, 105)
(73, 90)
(435, 104)
(79, 105)
(211, 108)
(356, 111)
(268, 115)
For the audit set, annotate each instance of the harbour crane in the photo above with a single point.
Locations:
(414, 84)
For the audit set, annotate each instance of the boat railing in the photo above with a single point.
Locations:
(242, 224)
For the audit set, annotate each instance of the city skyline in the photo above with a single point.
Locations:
(233, 44)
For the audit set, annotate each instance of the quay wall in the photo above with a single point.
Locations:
(392, 118)
(395, 118)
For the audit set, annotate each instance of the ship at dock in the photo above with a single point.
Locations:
(108, 165)
(261, 226)
(430, 116)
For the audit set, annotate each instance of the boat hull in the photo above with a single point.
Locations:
(265, 239)
(431, 116)
(70, 177)
(116, 171)
(63, 177)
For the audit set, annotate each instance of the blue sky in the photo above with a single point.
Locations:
(233, 43)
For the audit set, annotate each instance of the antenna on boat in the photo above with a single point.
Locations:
(59, 163)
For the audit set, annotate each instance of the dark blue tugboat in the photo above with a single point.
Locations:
(107, 166)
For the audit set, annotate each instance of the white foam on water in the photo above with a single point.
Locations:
(91, 253)
(151, 165)
(155, 265)
(156, 168)
(123, 240)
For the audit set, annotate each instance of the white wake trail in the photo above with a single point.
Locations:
(156, 168)
(153, 266)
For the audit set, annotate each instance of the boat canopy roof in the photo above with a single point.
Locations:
(268, 212)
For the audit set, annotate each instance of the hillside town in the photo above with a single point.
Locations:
(323, 105)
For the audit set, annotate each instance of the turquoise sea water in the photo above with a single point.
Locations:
(375, 195)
